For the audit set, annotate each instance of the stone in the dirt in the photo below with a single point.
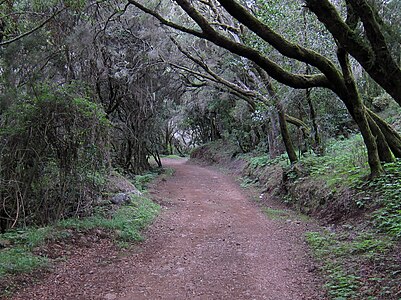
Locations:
(110, 296)
(135, 192)
(4, 243)
(120, 199)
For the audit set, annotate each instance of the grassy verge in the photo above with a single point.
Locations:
(361, 259)
(173, 156)
(356, 266)
(124, 225)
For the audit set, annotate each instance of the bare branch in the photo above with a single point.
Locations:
(218, 78)
(165, 21)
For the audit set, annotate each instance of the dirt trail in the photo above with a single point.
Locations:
(210, 242)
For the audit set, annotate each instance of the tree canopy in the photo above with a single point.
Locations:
(282, 76)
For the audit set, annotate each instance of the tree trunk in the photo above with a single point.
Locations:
(275, 145)
(357, 109)
(370, 141)
(289, 146)
(317, 140)
(392, 137)
(382, 145)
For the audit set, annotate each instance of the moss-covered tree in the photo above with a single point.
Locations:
(339, 79)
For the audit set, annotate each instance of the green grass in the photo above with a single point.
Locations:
(174, 156)
(19, 260)
(127, 221)
(276, 214)
(29, 237)
(344, 163)
(125, 226)
(282, 214)
(344, 257)
(153, 163)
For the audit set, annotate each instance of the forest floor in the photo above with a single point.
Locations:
(211, 241)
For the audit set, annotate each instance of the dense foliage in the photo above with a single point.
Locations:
(306, 92)
(282, 78)
(54, 150)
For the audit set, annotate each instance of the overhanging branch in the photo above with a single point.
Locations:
(32, 30)
(209, 33)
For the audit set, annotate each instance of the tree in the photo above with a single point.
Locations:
(102, 105)
(338, 78)
(370, 48)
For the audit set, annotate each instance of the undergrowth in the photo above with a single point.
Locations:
(127, 221)
(351, 263)
(124, 226)
(344, 163)
(385, 193)
(265, 160)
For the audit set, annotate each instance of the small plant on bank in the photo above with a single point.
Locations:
(349, 263)
(387, 191)
(126, 222)
(141, 181)
(265, 160)
(125, 225)
(259, 161)
(247, 182)
(343, 164)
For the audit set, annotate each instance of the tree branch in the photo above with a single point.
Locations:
(370, 20)
(373, 55)
(299, 81)
(32, 30)
(277, 41)
(217, 77)
(164, 21)
(298, 123)
(274, 70)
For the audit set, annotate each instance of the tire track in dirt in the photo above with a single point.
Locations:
(210, 242)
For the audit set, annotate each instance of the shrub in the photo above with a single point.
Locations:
(53, 156)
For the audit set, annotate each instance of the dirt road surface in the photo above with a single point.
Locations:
(210, 242)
